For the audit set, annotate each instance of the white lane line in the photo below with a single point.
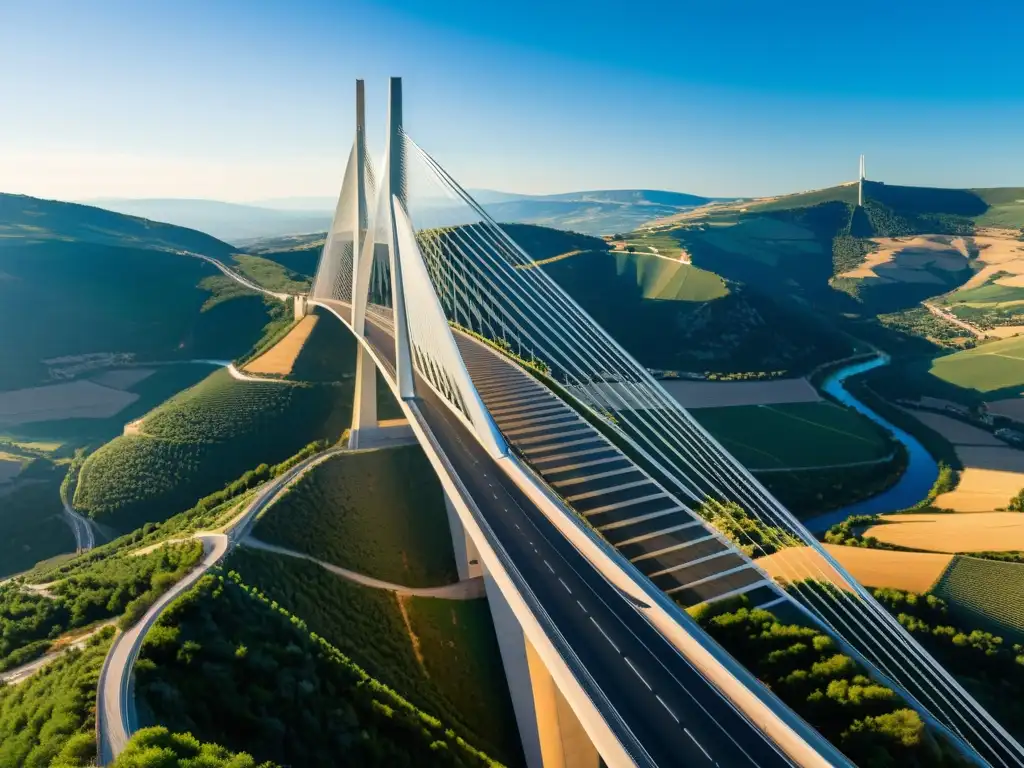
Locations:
(549, 566)
(494, 495)
(613, 645)
(637, 673)
(565, 585)
(581, 606)
(662, 702)
(516, 524)
(701, 748)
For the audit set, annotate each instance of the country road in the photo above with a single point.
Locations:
(468, 589)
(238, 278)
(949, 317)
(22, 673)
(115, 710)
(85, 537)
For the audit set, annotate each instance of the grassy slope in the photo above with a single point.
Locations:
(743, 331)
(994, 370)
(380, 513)
(988, 593)
(271, 274)
(202, 439)
(49, 719)
(40, 220)
(367, 625)
(795, 434)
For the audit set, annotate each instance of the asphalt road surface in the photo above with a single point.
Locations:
(665, 706)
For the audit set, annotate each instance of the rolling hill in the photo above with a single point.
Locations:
(233, 222)
(592, 212)
(77, 280)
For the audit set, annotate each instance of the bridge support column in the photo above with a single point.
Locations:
(467, 558)
(301, 308)
(551, 734)
(364, 406)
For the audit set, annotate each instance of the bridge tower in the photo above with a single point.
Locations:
(364, 406)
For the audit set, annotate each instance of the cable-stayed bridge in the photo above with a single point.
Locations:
(595, 506)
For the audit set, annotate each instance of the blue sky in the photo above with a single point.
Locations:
(251, 100)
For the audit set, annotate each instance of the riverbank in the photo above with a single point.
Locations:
(922, 469)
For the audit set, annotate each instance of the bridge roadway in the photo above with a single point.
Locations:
(669, 709)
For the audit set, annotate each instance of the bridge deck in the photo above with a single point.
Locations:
(675, 715)
(666, 541)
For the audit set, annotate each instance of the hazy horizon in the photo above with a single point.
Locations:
(234, 102)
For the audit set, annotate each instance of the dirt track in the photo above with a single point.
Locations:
(280, 359)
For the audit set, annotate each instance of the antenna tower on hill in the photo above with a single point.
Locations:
(860, 182)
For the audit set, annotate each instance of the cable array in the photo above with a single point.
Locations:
(485, 282)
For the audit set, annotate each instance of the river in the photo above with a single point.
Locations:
(915, 483)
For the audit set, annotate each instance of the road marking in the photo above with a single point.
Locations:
(494, 495)
(516, 524)
(613, 645)
(549, 566)
(565, 585)
(662, 702)
(637, 673)
(687, 732)
(581, 606)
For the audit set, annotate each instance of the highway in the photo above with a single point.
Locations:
(85, 537)
(115, 706)
(663, 711)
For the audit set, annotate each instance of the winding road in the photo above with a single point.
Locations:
(115, 696)
(467, 589)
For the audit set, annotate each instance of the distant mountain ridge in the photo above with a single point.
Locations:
(24, 218)
(594, 212)
(232, 222)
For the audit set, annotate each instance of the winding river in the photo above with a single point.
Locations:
(913, 485)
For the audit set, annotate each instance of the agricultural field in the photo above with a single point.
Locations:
(661, 279)
(201, 439)
(992, 472)
(911, 571)
(379, 512)
(795, 435)
(987, 592)
(994, 370)
(720, 394)
(975, 532)
(368, 626)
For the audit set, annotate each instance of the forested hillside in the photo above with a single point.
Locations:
(202, 439)
(77, 280)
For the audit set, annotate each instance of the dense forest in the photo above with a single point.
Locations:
(231, 666)
(380, 513)
(989, 666)
(869, 722)
(49, 720)
(453, 671)
(121, 585)
(202, 439)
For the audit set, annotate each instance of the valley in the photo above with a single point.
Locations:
(747, 313)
